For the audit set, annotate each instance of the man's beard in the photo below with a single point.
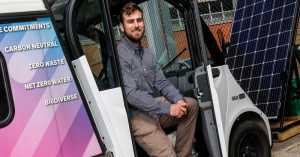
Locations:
(132, 38)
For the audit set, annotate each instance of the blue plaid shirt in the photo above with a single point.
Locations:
(141, 74)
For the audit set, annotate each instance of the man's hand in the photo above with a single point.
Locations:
(179, 109)
(182, 101)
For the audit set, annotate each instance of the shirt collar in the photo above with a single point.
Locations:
(130, 45)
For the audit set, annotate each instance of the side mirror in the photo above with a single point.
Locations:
(222, 43)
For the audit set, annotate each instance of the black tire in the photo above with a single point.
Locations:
(248, 139)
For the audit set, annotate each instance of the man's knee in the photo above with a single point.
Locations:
(193, 104)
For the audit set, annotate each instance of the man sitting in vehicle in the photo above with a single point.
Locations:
(141, 74)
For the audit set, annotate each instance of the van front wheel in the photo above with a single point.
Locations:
(248, 139)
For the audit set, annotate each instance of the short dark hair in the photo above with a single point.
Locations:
(128, 9)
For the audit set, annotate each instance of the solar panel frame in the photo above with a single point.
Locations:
(271, 27)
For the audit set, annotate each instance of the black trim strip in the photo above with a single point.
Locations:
(51, 2)
(192, 38)
(23, 16)
(9, 96)
(198, 23)
(86, 106)
(71, 32)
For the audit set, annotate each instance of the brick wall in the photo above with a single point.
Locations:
(93, 57)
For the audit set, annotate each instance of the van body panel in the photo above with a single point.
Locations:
(50, 118)
(227, 88)
(15, 6)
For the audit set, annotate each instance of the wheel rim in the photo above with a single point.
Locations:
(251, 146)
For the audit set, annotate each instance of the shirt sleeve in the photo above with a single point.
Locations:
(138, 98)
(164, 86)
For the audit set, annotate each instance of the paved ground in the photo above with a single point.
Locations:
(287, 148)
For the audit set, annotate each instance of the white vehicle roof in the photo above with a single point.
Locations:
(12, 6)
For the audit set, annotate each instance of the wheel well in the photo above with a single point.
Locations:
(253, 117)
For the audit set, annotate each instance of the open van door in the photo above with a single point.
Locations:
(89, 35)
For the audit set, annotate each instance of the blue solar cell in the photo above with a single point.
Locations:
(261, 44)
(237, 73)
(286, 24)
(253, 33)
(244, 84)
(251, 46)
(263, 96)
(266, 17)
(234, 38)
(289, 11)
(246, 72)
(238, 14)
(246, 24)
(269, 5)
(249, 2)
(230, 62)
(270, 55)
(259, 57)
(236, 27)
(265, 82)
(232, 50)
(272, 41)
(241, 49)
(276, 82)
(281, 52)
(239, 61)
(274, 95)
(264, 30)
(284, 38)
(257, 70)
(279, 66)
(254, 84)
(279, 3)
(258, 8)
(272, 109)
(256, 20)
(277, 14)
(243, 36)
(289, 2)
(257, 1)
(268, 68)
(253, 96)
(248, 11)
(249, 59)
(262, 107)
(240, 4)
(274, 29)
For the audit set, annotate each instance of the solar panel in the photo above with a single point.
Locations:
(261, 35)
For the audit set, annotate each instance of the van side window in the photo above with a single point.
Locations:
(6, 102)
(93, 38)
(165, 35)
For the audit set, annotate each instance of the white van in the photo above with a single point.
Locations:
(62, 91)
